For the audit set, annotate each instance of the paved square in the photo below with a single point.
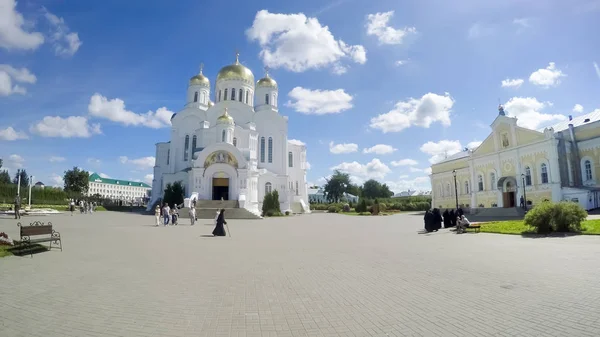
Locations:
(312, 275)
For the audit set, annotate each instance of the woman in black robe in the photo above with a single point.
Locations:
(436, 219)
(452, 217)
(446, 219)
(428, 221)
(219, 229)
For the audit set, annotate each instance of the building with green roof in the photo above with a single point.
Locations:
(118, 189)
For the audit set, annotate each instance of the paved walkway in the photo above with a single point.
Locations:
(313, 275)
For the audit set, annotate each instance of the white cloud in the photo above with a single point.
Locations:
(103, 175)
(93, 161)
(114, 110)
(308, 166)
(512, 83)
(296, 142)
(522, 22)
(69, 127)
(342, 148)
(404, 162)
(401, 62)
(298, 43)
(403, 184)
(57, 180)
(547, 77)
(375, 169)
(474, 144)
(12, 32)
(11, 134)
(9, 74)
(597, 68)
(380, 149)
(427, 170)
(418, 112)
(377, 25)
(528, 112)
(13, 163)
(319, 102)
(148, 178)
(440, 150)
(65, 42)
(478, 30)
(142, 163)
(578, 108)
(56, 159)
(415, 169)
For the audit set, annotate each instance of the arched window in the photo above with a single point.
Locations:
(492, 181)
(168, 156)
(588, 170)
(225, 95)
(290, 159)
(247, 93)
(262, 149)
(194, 139)
(480, 182)
(268, 187)
(274, 100)
(241, 95)
(270, 149)
(297, 193)
(544, 171)
(219, 99)
(186, 148)
(267, 99)
(195, 97)
(233, 94)
(203, 97)
(466, 187)
(527, 176)
(234, 141)
(223, 136)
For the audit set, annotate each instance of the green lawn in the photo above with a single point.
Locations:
(589, 227)
(4, 251)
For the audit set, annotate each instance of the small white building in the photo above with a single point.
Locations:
(235, 147)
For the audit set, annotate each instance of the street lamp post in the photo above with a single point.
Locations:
(524, 192)
(455, 188)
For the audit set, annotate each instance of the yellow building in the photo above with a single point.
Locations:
(556, 163)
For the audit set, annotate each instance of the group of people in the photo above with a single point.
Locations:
(85, 207)
(169, 214)
(450, 218)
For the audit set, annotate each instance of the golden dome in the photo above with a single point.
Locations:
(225, 118)
(235, 71)
(267, 81)
(200, 79)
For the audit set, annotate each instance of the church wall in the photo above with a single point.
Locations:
(587, 131)
(449, 166)
(590, 150)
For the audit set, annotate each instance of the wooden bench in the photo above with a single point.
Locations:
(477, 228)
(39, 229)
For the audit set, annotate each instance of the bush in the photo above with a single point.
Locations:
(382, 207)
(271, 204)
(333, 209)
(287, 213)
(361, 207)
(560, 217)
(346, 208)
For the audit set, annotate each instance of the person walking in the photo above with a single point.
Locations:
(72, 206)
(175, 215)
(17, 207)
(193, 215)
(157, 215)
(166, 213)
(219, 229)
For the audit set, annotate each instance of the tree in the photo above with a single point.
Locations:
(4, 177)
(76, 181)
(24, 177)
(337, 185)
(354, 190)
(271, 204)
(373, 189)
(174, 193)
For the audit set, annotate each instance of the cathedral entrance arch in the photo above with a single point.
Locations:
(508, 186)
(220, 188)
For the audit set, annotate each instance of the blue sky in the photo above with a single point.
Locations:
(379, 89)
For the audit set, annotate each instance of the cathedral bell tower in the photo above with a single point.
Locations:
(225, 127)
(266, 93)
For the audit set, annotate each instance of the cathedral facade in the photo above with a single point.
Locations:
(558, 163)
(234, 147)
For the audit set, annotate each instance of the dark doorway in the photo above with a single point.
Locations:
(220, 189)
(509, 199)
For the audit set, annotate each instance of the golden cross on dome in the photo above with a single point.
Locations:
(201, 67)
(237, 56)
(267, 70)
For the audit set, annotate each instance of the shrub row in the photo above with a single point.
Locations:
(550, 217)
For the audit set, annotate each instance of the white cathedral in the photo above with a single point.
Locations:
(235, 148)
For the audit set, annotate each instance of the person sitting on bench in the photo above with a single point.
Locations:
(462, 224)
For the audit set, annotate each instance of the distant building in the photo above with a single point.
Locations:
(412, 193)
(118, 189)
(39, 184)
(317, 196)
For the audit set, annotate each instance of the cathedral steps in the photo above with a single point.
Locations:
(207, 209)
(496, 214)
(216, 204)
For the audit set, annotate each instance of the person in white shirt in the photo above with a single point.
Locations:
(193, 215)
(166, 214)
(157, 215)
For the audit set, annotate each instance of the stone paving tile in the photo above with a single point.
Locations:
(315, 275)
